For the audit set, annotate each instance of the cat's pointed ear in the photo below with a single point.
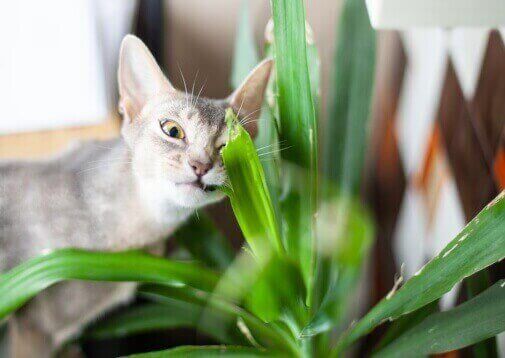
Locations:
(139, 77)
(246, 101)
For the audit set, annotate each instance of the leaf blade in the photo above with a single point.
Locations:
(298, 132)
(154, 317)
(471, 322)
(143, 319)
(480, 244)
(476, 284)
(245, 56)
(345, 136)
(405, 323)
(249, 195)
(266, 334)
(204, 242)
(206, 351)
(345, 235)
(26, 280)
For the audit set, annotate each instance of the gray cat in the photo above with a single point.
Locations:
(121, 194)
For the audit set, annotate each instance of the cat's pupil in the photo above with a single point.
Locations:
(173, 132)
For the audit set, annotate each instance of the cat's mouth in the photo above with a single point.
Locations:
(200, 185)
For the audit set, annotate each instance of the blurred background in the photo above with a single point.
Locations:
(437, 152)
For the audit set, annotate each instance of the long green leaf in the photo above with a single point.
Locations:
(245, 57)
(207, 351)
(298, 133)
(346, 132)
(345, 233)
(256, 331)
(249, 195)
(298, 122)
(314, 64)
(480, 244)
(406, 322)
(267, 140)
(277, 291)
(473, 321)
(345, 139)
(205, 243)
(475, 285)
(153, 317)
(26, 280)
(145, 318)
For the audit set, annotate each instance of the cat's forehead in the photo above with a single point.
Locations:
(190, 110)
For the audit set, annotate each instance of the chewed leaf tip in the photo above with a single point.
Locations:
(227, 190)
(231, 122)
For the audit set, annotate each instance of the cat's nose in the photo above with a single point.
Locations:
(200, 168)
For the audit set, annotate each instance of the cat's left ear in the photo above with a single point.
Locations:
(246, 101)
(139, 77)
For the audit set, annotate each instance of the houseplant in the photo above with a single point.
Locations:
(307, 231)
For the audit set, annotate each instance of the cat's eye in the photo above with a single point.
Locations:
(172, 129)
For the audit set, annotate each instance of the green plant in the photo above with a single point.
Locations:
(306, 236)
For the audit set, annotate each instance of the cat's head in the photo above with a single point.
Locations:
(175, 137)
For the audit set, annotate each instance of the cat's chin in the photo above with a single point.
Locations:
(192, 195)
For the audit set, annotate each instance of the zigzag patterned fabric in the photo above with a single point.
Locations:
(438, 142)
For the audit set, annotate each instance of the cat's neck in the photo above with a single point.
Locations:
(148, 194)
(157, 205)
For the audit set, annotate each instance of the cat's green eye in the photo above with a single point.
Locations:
(172, 129)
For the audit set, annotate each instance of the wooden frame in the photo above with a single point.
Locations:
(401, 14)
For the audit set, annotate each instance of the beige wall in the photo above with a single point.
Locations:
(200, 36)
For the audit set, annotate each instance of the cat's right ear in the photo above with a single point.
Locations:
(247, 99)
(139, 77)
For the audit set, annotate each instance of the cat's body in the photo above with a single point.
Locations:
(127, 193)
(86, 198)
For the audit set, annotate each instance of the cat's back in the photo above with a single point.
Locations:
(40, 200)
(28, 181)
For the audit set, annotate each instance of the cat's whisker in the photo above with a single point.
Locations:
(271, 145)
(266, 156)
(197, 216)
(265, 147)
(279, 143)
(269, 160)
(249, 116)
(108, 165)
(185, 86)
(274, 151)
(101, 146)
(246, 121)
(118, 161)
(201, 89)
(251, 113)
(249, 121)
(240, 108)
(111, 160)
(193, 88)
